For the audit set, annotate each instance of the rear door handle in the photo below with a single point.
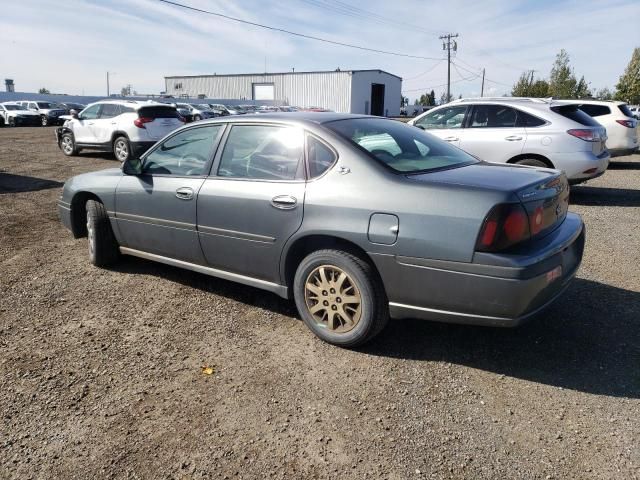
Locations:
(513, 138)
(284, 202)
(451, 139)
(184, 193)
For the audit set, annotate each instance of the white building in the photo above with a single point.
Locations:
(371, 92)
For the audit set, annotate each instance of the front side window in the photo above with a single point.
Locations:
(91, 113)
(319, 156)
(184, 154)
(110, 110)
(446, 117)
(493, 116)
(400, 147)
(33, 106)
(262, 152)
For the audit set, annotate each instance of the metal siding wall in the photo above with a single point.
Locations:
(361, 91)
(330, 90)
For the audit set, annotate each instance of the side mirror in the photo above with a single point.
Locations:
(133, 166)
(73, 113)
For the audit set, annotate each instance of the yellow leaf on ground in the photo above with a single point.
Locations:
(207, 370)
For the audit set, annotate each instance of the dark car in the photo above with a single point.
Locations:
(357, 218)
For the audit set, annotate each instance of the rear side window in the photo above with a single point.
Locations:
(527, 120)
(126, 109)
(625, 110)
(319, 156)
(572, 112)
(158, 112)
(493, 116)
(595, 110)
(109, 110)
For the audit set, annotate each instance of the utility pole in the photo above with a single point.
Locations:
(107, 84)
(482, 89)
(447, 46)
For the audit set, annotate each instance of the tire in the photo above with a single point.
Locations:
(196, 118)
(103, 247)
(533, 162)
(352, 323)
(122, 149)
(2, 122)
(44, 121)
(68, 145)
(12, 122)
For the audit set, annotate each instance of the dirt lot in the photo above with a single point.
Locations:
(101, 370)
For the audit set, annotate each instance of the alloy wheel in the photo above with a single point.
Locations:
(121, 150)
(333, 299)
(67, 145)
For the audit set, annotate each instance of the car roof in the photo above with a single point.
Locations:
(590, 102)
(303, 117)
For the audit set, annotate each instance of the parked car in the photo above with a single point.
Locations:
(635, 111)
(68, 106)
(15, 115)
(186, 114)
(523, 131)
(199, 111)
(49, 112)
(220, 109)
(622, 136)
(125, 127)
(357, 218)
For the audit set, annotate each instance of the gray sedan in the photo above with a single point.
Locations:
(357, 218)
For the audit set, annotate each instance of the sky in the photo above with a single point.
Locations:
(68, 46)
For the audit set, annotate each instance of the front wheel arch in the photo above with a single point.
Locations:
(79, 213)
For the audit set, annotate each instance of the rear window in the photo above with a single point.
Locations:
(572, 112)
(625, 110)
(158, 112)
(595, 110)
(399, 147)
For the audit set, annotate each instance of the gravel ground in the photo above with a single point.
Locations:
(101, 370)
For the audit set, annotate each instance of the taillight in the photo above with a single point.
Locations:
(586, 134)
(139, 122)
(536, 221)
(626, 123)
(506, 225)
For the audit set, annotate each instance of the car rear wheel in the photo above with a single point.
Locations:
(196, 118)
(103, 247)
(68, 145)
(533, 162)
(44, 120)
(122, 149)
(340, 297)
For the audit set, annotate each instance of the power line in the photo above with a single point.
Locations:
(425, 72)
(434, 86)
(289, 32)
(486, 79)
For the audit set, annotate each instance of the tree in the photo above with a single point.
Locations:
(444, 99)
(562, 81)
(44, 91)
(526, 87)
(628, 87)
(604, 94)
(433, 97)
(427, 99)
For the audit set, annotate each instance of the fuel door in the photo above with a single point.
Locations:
(383, 228)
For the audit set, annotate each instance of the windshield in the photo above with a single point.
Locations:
(400, 147)
(12, 107)
(44, 105)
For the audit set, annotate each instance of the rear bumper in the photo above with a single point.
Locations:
(581, 166)
(495, 290)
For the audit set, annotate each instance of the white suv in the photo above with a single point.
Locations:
(617, 118)
(125, 127)
(525, 131)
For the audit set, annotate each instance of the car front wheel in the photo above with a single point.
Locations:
(122, 149)
(68, 145)
(103, 247)
(340, 297)
(44, 120)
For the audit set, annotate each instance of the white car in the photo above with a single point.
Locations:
(635, 111)
(525, 131)
(127, 128)
(49, 112)
(15, 115)
(618, 119)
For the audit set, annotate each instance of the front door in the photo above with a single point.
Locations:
(253, 202)
(82, 127)
(156, 210)
(102, 127)
(492, 134)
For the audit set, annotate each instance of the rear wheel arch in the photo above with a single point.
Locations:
(303, 246)
(116, 134)
(79, 212)
(533, 156)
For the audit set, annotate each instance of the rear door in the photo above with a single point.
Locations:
(253, 200)
(445, 122)
(164, 120)
(156, 210)
(492, 134)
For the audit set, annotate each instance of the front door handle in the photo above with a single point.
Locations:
(184, 193)
(513, 138)
(284, 202)
(451, 139)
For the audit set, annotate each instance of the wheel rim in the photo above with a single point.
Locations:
(44, 121)
(121, 150)
(90, 235)
(67, 145)
(333, 299)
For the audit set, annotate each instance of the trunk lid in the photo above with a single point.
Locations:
(164, 120)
